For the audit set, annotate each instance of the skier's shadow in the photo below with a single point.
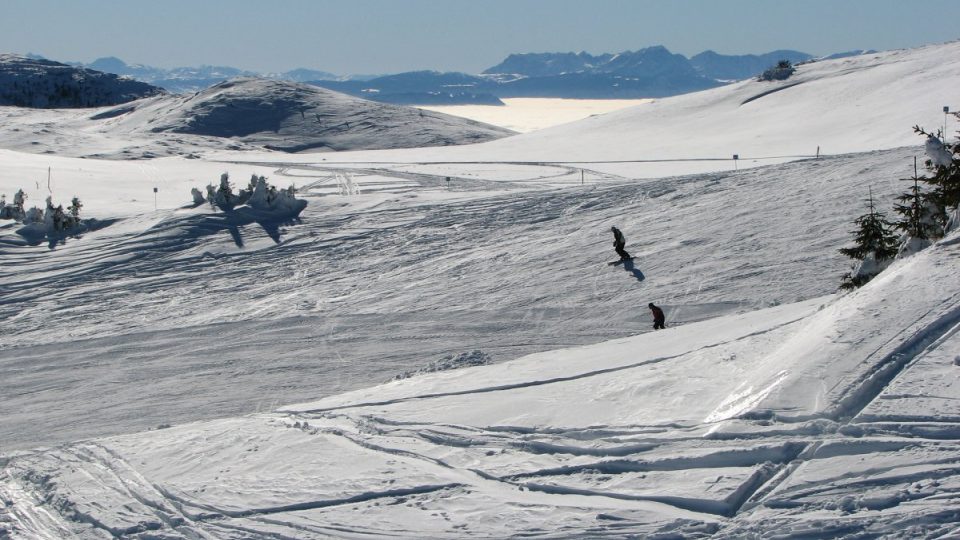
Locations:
(629, 267)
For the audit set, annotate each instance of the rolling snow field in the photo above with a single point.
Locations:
(524, 115)
(175, 372)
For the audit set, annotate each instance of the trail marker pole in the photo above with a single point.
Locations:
(735, 158)
(154, 199)
(581, 177)
(818, 152)
(946, 111)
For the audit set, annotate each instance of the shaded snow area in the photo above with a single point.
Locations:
(440, 348)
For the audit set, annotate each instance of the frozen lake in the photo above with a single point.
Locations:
(530, 114)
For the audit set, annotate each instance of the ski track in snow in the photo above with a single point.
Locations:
(356, 269)
(769, 408)
(600, 478)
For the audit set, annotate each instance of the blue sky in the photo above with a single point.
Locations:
(390, 36)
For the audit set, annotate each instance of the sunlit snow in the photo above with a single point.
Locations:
(179, 374)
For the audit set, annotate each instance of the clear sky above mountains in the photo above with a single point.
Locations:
(390, 36)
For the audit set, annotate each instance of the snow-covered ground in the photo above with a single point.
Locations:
(148, 366)
(524, 115)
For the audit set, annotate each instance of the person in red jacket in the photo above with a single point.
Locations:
(658, 317)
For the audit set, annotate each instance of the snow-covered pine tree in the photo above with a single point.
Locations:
(944, 182)
(874, 249)
(211, 195)
(197, 196)
(225, 198)
(19, 200)
(916, 217)
(74, 208)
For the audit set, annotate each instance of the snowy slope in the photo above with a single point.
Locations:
(854, 104)
(680, 432)
(767, 407)
(507, 267)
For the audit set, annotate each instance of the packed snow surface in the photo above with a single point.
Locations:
(149, 366)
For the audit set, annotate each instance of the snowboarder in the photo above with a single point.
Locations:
(618, 242)
(658, 317)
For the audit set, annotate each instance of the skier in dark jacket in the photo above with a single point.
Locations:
(658, 318)
(618, 242)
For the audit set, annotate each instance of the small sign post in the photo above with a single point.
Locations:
(735, 158)
(154, 198)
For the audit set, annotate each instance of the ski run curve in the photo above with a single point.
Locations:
(175, 373)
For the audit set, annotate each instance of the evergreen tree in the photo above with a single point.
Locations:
(914, 208)
(944, 182)
(875, 246)
(74, 208)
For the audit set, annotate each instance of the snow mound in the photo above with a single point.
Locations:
(293, 117)
(451, 361)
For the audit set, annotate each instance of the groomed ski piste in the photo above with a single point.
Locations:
(174, 374)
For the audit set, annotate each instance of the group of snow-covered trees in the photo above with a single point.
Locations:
(50, 219)
(780, 72)
(259, 195)
(928, 210)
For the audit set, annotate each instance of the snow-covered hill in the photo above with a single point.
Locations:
(856, 104)
(245, 113)
(31, 82)
(293, 117)
(768, 406)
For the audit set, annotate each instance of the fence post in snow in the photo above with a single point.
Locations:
(946, 111)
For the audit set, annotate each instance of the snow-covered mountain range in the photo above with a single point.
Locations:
(175, 374)
(194, 79)
(648, 72)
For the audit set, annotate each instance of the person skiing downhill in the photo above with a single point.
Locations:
(618, 242)
(658, 317)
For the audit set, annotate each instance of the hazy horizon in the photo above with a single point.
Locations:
(383, 36)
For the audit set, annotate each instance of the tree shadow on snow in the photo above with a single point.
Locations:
(629, 267)
(235, 233)
(272, 228)
(36, 234)
(233, 222)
